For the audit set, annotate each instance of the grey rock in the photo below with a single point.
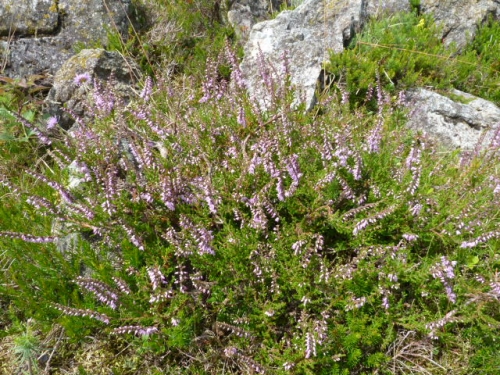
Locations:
(77, 23)
(99, 65)
(305, 35)
(29, 56)
(87, 21)
(460, 18)
(243, 14)
(28, 17)
(456, 123)
(380, 8)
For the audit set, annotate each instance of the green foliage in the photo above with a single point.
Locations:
(404, 51)
(26, 348)
(482, 76)
(415, 6)
(401, 51)
(208, 237)
(174, 37)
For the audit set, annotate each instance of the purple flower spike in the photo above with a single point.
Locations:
(52, 122)
(80, 79)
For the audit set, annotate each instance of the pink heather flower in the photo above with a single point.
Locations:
(156, 277)
(288, 366)
(42, 204)
(208, 195)
(481, 239)
(236, 74)
(385, 303)
(147, 90)
(103, 292)
(65, 194)
(241, 117)
(230, 351)
(410, 237)
(321, 328)
(310, 345)
(346, 189)
(364, 223)
(42, 137)
(355, 303)
(280, 189)
(415, 208)
(122, 285)
(495, 289)
(265, 71)
(402, 99)
(52, 122)
(413, 164)
(136, 330)
(480, 279)
(175, 322)
(433, 326)
(182, 278)
(297, 247)
(375, 138)
(136, 241)
(444, 271)
(28, 237)
(160, 297)
(345, 95)
(80, 79)
(104, 100)
(392, 277)
(202, 236)
(80, 312)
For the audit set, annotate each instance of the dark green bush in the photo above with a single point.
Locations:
(404, 51)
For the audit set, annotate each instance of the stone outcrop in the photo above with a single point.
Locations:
(305, 35)
(243, 14)
(456, 122)
(96, 64)
(28, 17)
(460, 18)
(39, 35)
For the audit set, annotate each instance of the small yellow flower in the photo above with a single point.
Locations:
(421, 24)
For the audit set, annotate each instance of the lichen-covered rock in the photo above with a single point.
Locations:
(456, 123)
(243, 14)
(460, 18)
(77, 23)
(28, 17)
(89, 20)
(305, 35)
(96, 64)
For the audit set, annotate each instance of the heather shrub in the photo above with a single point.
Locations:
(211, 234)
(189, 231)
